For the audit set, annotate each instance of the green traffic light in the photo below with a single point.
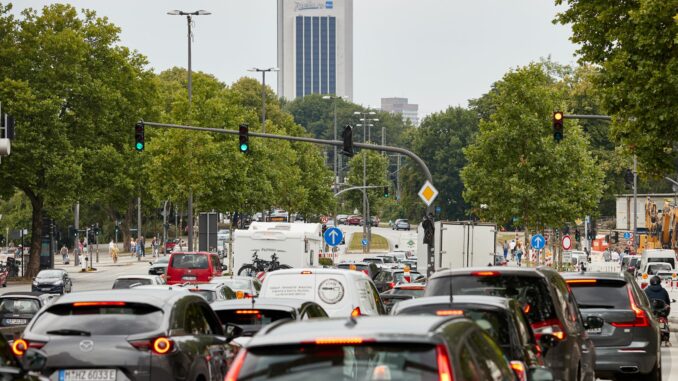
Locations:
(139, 146)
(244, 147)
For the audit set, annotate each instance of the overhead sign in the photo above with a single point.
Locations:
(566, 242)
(628, 235)
(428, 193)
(538, 241)
(333, 236)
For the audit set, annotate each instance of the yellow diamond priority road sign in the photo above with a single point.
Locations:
(428, 193)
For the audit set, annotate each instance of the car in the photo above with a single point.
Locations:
(159, 267)
(128, 281)
(550, 307)
(373, 348)
(628, 342)
(341, 219)
(162, 287)
(657, 255)
(354, 220)
(390, 259)
(340, 292)
(212, 292)
(20, 363)
(499, 260)
(54, 281)
(252, 314)
(381, 262)
(131, 334)
(386, 279)
(409, 262)
(374, 221)
(243, 286)
(630, 262)
(18, 308)
(401, 224)
(502, 318)
(171, 244)
(194, 267)
(405, 291)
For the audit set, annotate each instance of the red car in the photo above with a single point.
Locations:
(193, 267)
(354, 220)
(169, 245)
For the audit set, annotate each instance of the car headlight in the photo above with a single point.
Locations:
(35, 283)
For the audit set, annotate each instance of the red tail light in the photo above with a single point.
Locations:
(641, 319)
(444, 370)
(234, 371)
(356, 312)
(391, 284)
(485, 273)
(99, 304)
(519, 369)
(159, 346)
(551, 327)
(19, 347)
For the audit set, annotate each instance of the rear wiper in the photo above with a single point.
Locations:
(594, 306)
(69, 332)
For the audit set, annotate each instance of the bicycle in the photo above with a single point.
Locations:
(259, 265)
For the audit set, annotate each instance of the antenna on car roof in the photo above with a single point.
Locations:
(451, 291)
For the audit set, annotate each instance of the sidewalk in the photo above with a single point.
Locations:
(124, 259)
(673, 315)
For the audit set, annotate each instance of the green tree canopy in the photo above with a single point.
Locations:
(376, 166)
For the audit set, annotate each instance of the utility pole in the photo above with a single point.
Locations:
(190, 220)
(263, 93)
(635, 202)
(138, 217)
(398, 178)
(76, 239)
(164, 227)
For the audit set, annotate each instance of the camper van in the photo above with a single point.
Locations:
(295, 244)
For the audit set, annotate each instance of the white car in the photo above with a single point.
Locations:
(129, 281)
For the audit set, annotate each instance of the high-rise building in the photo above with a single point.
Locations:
(315, 47)
(401, 106)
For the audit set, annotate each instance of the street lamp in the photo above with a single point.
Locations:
(189, 19)
(367, 231)
(263, 93)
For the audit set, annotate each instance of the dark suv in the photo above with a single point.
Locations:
(628, 342)
(548, 304)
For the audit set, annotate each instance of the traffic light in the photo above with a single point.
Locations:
(628, 178)
(558, 130)
(429, 232)
(615, 237)
(9, 127)
(577, 235)
(386, 193)
(139, 142)
(244, 140)
(347, 136)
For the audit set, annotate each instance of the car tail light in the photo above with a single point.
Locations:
(239, 294)
(519, 369)
(356, 312)
(581, 281)
(449, 312)
(641, 319)
(160, 345)
(247, 312)
(485, 273)
(526, 308)
(20, 346)
(444, 370)
(391, 284)
(234, 371)
(98, 304)
(339, 341)
(551, 327)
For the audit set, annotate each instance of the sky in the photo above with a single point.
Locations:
(437, 53)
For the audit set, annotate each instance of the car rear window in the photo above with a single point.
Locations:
(128, 282)
(531, 291)
(399, 276)
(259, 316)
(237, 284)
(670, 261)
(189, 261)
(209, 295)
(373, 260)
(656, 268)
(607, 294)
(416, 292)
(19, 306)
(402, 361)
(106, 318)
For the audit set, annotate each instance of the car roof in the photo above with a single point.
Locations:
(313, 270)
(153, 295)
(503, 270)
(45, 270)
(140, 276)
(264, 303)
(494, 301)
(385, 328)
(596, 275)
(193, 252)
(227, 278)
(23, 294)
(405, 285)
(203, 286)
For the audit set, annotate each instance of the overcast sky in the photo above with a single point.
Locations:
(437, 53)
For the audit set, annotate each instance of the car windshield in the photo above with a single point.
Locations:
(531, 291)
(388, 259)
(50, 274)
(257, 316)
(128, 282)
(189, 261)
(209, 295)
(402, 361)
(98, 318)
(19, 306)
(601, 294)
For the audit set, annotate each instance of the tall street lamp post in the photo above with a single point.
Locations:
(366, 218)
(263, 93)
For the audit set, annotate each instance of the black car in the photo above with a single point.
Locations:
(212, 292)
(548, 303)
(131, 334)
(628, 343)
(386, 279)
(400, 292)
(252, 314)
(53, 281)
(503, 319)
(18, 308)
(373, 348)
(159, 267)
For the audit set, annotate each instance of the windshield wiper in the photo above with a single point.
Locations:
(69, 332)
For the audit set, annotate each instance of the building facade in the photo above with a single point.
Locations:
(315, 47)
(401, 106)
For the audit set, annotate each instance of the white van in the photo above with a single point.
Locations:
(340, 292)
(654, 256)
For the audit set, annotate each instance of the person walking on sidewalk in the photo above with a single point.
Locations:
(64, 254)
(519, 252)
(154, 245)
(114, 253)
(138, 249)
(505, 246)
(142, 245)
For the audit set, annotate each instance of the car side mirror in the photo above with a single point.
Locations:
(593, 322)
(232, 331)
(34, 360)
(539, 373)
(547, 341)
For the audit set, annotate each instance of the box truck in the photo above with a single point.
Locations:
(295, 244)
(459, 244)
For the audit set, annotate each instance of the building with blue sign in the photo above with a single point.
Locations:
(315, 47)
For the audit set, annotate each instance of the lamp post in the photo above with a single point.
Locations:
(366, 218)
(263, 93)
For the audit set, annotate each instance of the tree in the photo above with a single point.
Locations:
(634, 43)
(517, 169)
(376, 167)
(73, 90)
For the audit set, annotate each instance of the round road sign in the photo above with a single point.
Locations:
(567, 242)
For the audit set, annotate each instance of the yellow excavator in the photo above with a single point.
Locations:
(662, 230)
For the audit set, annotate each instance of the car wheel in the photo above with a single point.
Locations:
(655, 374)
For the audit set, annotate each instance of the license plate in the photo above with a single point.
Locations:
(16, 321)
(189, 278)
(87, 374)
(46, 288)
(595, 331)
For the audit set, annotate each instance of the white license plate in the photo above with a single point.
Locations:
(189, 278)
(16, 321)
(87, 374)
(595, 331)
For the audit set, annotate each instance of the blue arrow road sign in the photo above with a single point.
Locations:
(365, 242)
(538, 242)
(333, 236)
(627, 235)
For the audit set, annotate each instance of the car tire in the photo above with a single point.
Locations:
(655, 374)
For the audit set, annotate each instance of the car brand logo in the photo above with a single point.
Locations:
(86, 345)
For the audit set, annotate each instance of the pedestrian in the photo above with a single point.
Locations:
(506, 249)
(64, 254)
(519, 253)
(154, 245)
(142, 244)
(114, 254)
(138, 249)
(615, 255)
(111, 245)
(132, 247)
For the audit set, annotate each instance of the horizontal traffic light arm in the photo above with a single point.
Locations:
(580, 116)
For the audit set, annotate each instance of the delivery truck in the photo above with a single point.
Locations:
(459, 244)
(295, 244)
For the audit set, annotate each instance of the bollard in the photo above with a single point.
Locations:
(406, 274)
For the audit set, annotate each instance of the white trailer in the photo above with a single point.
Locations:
(295, 244)
(459, 244)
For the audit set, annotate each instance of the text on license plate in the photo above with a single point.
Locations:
(189, 277)
(16, 321)
(595, 330)
(87, 375)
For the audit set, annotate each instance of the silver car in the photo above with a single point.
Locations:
(401, 224)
